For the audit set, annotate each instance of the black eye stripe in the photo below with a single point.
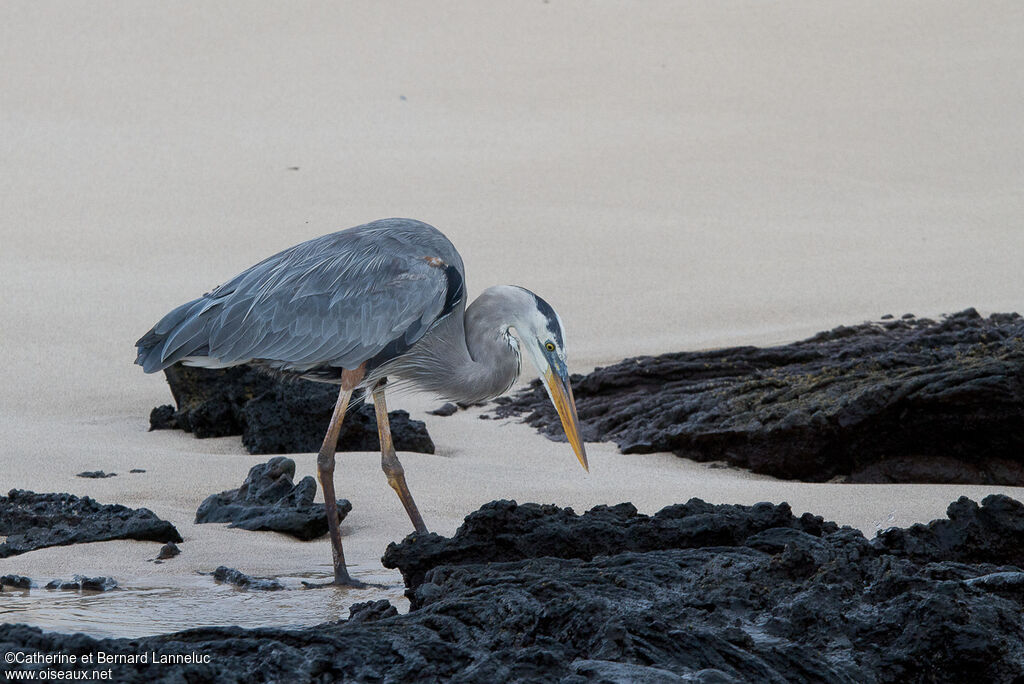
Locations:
(549, 314)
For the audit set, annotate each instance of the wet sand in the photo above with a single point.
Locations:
(667, 177)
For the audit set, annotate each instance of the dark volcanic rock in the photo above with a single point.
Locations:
(82, 583)
(444, 410)
(95, 474)
(912, 400)
(294, 418)
(16, 581)
(240, 579)
(163, 418)
(504, 531)
(209, 402)
(990, 533)
(268, 500)
(694, 593)
(32, 521)
(273, 415)
(168, 550)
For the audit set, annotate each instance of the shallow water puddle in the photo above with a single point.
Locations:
(138, 610)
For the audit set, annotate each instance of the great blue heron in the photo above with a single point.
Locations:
(383, 300)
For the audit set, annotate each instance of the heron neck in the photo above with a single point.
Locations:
(493, 362)
(465, 357)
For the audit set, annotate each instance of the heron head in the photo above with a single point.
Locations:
(541, 335)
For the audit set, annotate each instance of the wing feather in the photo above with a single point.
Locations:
(357, 295)
(309, 309)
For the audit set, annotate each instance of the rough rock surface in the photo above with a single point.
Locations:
(32, 521)
(909, 400)
(240, 579)
(82, 583)
(269, 500)
(167, 551)
(15, 582)
(274, 415)
(695, 593)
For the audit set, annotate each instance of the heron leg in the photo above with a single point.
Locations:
(389, 460)
(325, 473)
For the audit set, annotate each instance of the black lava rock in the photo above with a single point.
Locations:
(503, 531)
(240, 579)
(32, 521)
(290, 422)
(990, 533)
(15, 581)
(268, 500)
(95, 474)
(370, 611)
(909, 400)
(96, 583)
(164, 417)
(168, 550)
(695, 593)
(274, 415)
(444, 410)
(82, 583)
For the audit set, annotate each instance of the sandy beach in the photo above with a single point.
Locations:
(669, 177)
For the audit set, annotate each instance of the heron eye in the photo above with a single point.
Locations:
(550, 346)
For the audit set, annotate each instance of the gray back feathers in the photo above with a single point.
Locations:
(329, 303)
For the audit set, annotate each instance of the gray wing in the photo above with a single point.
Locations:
(365, 294)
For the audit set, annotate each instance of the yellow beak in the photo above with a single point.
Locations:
(561, 396)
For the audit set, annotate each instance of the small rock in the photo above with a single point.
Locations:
(16, 581)
(95, 474)
(447, 409)
(168, 550)
(268, 500)
(82, 583)
(470, 404)
(370, 611)
(97, 583)
(240, 579)
(163, 418)
(137, 470)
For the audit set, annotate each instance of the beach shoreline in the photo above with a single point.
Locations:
(672, 178)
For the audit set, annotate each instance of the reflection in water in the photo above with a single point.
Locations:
(133, 611)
